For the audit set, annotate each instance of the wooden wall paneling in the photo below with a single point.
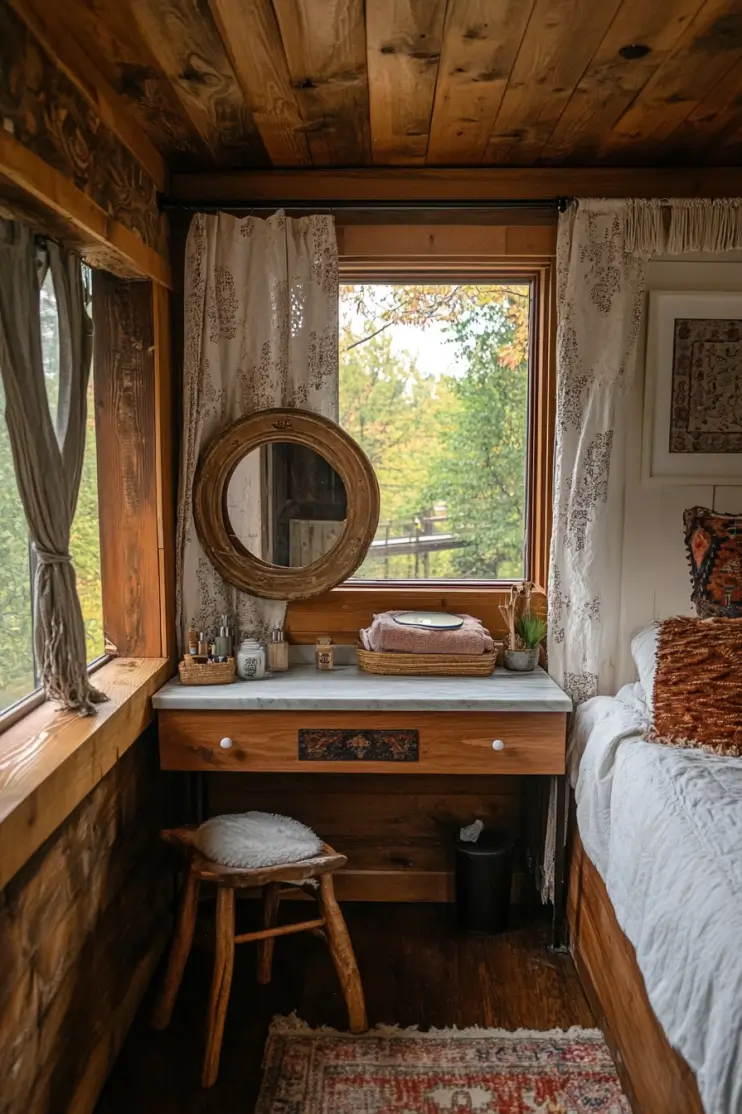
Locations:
(342, 612)
(325, 45)
(403, 44)
(610, 82)
(125, 405)
(83, 922)
(398, 833)
(106, 33)
(655, 1077)
(165, 465)
(484, 243)
(554, 53)
(711, 45)
(250, 33)
(36, 190)
(43, 111)
(428, 184)
(184, 40)
(51, 29)
(480, 44)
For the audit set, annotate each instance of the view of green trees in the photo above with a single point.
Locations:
(17, 674)
(448, 446)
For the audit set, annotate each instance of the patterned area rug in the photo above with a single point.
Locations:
(445, 1071)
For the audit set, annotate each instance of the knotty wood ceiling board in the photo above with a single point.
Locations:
(353, 83)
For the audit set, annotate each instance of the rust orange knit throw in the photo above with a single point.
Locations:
(698, 686)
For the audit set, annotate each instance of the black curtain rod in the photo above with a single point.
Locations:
(207, 206)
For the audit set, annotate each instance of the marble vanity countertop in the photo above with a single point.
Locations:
(304, 689)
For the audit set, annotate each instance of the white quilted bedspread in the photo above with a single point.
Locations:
(664, 829)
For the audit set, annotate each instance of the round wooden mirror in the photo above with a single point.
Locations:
(286, 504)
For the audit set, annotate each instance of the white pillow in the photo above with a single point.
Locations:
(644, 652)
(256, 839)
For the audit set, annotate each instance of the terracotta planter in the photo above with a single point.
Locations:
(521, 661)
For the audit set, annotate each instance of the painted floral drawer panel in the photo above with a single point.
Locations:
(365, 745)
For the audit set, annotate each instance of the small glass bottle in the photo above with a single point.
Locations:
(278, 652)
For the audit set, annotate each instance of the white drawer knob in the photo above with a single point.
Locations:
(225, 744)
(497, 744)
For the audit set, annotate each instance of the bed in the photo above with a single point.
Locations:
(656, 906)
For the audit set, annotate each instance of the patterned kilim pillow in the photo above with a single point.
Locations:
(714, 544)
(698, 685)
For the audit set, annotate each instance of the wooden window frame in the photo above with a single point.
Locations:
(471, 253)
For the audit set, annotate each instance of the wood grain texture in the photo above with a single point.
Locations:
(45, 112)
(47, 194)
(344, 611)
(182, 37)
(51, 760)
(428, 184)
(125, 394)
(558, 44)
(50, 27)
(221, 984)
(449, 743)
(610, 82)
(343, 956)
(250, 33)
(480, 44)
(404, 44)
(83, 923)
(179, 951)
(417, 970)
(710, 46)
(108, 35)
(324, 42)
(655, 1077)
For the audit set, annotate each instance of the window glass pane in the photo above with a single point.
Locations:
(16, 624)
(434, 387)
(84, 537)
(17, 671)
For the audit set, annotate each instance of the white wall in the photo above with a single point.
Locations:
(655, 579)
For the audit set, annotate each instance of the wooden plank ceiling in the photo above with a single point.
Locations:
(303, 83)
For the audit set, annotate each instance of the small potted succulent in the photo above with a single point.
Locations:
(526, 632)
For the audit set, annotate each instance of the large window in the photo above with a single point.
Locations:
(434, 385)
(18, 675)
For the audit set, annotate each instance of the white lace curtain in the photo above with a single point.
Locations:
(261, 330)
(603, 250)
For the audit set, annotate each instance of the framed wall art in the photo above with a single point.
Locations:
(692, 426)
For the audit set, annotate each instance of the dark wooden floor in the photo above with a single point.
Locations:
(417, 970)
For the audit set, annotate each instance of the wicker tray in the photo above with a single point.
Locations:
(203, 673)
(426, 665)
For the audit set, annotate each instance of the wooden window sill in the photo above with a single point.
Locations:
(50, 760)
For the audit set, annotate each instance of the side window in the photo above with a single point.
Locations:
(18, 676)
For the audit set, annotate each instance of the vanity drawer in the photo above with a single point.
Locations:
(412, 742)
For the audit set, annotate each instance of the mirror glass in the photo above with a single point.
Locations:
(286, 504)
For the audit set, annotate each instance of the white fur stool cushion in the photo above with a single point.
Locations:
(256, 839)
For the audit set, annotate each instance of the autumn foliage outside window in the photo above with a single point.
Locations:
(434, 385)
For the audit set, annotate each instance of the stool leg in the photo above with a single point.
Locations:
(221, 983)
(271, 899)
(179, 951)
(341, 951)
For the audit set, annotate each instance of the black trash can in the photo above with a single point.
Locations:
(484, 873)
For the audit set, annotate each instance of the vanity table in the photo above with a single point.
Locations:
(347, 721)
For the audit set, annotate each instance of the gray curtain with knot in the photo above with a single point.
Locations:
(48, 452)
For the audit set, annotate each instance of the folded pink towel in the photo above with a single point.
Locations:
(385, 635)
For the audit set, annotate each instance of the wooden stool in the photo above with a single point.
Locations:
(331, 926)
